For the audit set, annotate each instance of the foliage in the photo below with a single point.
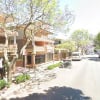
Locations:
(26, 13)
(64, 20)
(69, 45)
(97, 41)
(2, 84)
(54, 66)
(8, 84)
(22, 78)
(81, 38)
(32, 10)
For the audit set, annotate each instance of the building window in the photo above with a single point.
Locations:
(10, 40)
(39, 59)
(56, 52)
(49, 56)
(2, 40)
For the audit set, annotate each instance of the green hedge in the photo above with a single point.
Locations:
(22, 78)
(54, 66)
(2, 84)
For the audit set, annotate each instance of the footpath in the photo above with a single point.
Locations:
(37, 76)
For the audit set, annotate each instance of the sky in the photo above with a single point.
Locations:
(87, 14)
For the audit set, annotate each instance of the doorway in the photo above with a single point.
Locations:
(29, 59)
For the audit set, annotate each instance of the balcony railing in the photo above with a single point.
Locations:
(50, 48)
(42, 39)
(39, 48)
(2, 46)
(10, 48)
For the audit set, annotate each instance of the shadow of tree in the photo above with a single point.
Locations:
(57, 93)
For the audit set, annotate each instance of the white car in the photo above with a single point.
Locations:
(76, 56)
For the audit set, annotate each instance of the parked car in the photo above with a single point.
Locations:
(97, 51)
(76, 56)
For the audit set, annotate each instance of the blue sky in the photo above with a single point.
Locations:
(87, 14)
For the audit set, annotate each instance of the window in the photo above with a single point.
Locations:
(39, 59)
(49, 56)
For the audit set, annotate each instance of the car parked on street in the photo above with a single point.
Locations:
(76, 56)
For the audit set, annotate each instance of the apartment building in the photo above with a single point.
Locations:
(8, 42)
(40, 50)
(7, 37)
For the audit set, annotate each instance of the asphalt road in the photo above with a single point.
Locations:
(80, 82)
(87, 76)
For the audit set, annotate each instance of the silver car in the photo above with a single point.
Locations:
(76, 56)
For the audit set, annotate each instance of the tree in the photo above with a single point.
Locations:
(28, 13)
(34, 10)
(63, 20)
(69, 45)
(7, 9)
(81, 38)
(97, 41)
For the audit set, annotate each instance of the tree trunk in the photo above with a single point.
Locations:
(9, 69)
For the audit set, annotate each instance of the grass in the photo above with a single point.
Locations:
(2, 83)
(22, 78)
(50, 67)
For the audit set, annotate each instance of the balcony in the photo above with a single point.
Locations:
(50, 48)
(42, 39)
(10, 48)
(39, 49)
(2, 46)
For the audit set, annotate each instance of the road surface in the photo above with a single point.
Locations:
(87, 77)
(80, 82)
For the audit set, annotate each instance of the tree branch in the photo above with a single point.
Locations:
(23, 48)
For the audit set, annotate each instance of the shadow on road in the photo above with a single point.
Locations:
(57, 93)
(94, 58)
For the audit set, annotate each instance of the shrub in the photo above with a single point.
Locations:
(2, 84)
(8, 85)
(22, 78)
(54, 66)
(27, 76)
